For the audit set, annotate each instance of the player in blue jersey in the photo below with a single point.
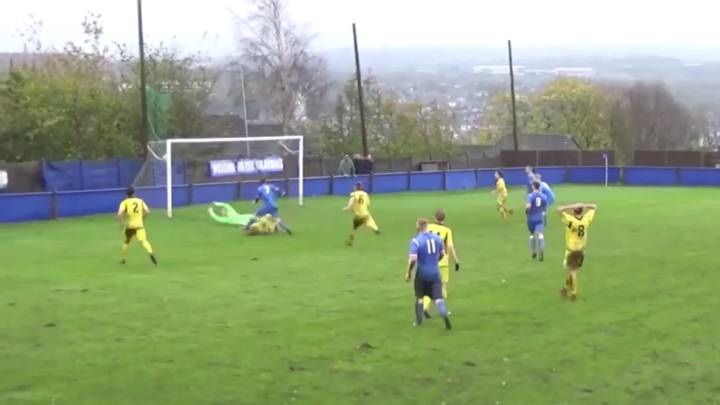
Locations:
(535, 207)
(548, 193)
(531, 178)
(268, 193)
(426, 250)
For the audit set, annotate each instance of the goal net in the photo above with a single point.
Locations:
(182, 161)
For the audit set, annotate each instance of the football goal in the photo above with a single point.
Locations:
(181, 161)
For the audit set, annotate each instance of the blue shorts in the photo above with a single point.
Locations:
(267, 210)
(430, 288)
(536, 225)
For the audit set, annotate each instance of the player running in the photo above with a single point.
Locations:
(130, 214)
(426, 250)
(446, 236)
(359, 203)
(501, 194)
(576, 229)
(268, 193)
(548, 193)
(535, 206)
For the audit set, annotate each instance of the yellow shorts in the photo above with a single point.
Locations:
(501, 199)
(445, 274)
(567, 254)
(366, 220)
(254, 229)
(138, 233)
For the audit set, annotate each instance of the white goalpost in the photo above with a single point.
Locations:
(279, 140)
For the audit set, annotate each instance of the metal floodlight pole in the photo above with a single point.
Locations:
(358, 76)
(245, 115)
(143, 96)
(512, 95)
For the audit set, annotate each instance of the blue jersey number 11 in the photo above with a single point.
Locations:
(431, 246)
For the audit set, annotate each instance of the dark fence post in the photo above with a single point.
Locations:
(449, 161)
(678, 179)
(477, 178)
(408, 181)
(370, 181)
(53, 205)
(580, 159)
(119, 172)
(537, 158)
(322, 165)
(621, 175)
(82, 175)
(191, 190)
(330, 185)
(390, 166)
(287, 184)
(444, 180)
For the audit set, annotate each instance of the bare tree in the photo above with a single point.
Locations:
(278, 51)
(657, 120)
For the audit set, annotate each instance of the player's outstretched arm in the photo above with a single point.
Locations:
(349, 204)
(590, 206)
(278, 191)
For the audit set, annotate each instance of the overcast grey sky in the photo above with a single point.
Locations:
(388, 23)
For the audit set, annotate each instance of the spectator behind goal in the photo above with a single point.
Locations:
(346, 167)
(363, 165)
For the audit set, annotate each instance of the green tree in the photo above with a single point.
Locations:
(65, 106)
(498, 117)
(576, 107)
(82, 103)
(184, 80)
(395, 128)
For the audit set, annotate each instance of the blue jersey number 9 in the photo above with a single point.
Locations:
(538, 201)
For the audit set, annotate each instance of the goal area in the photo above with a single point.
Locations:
(181, 161)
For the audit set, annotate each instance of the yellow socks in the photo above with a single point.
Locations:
(147, 246)
(427, 303)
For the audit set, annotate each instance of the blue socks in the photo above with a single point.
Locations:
(442, 309)
(284, 226)
(419, 311)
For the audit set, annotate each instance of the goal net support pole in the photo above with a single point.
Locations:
(168, 159)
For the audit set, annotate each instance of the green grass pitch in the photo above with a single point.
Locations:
(229, 319)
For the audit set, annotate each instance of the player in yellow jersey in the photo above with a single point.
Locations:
(131, 213)
(266, 225)
(445, 234)
(501, 195)
(359, 202)
(577, 219)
